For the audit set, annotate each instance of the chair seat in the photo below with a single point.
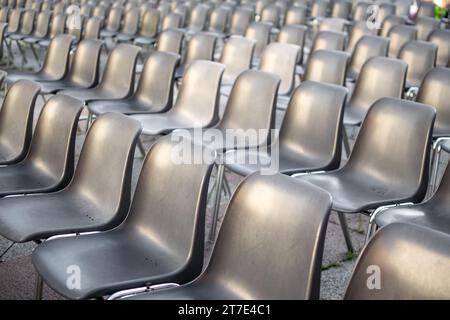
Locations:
(353, 193)
(32, 40)
(154, 124)
(44, 43)
(23, 178)
(144, 41)
(245, 162)
(17, 36)
(33, 76)
(54, 86)
(128, 106)
(125, 37)
(427, 214)
(37, 217)
(107, 34)
(109, 262)
(91, 94)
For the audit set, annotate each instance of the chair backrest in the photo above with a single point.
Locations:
(92, 29)
(27, 24)
(260, 33)
(312, 124)
(399, 35)
(281, 59)
(385, 10)
(15, 18)
(360, 12)
(366, 48)
(171, 210)
(170, 40)
(359, 30)
(42, 24)
(183, 11)
(402, 7)
(218, 20)
(426, 9)
(405, 171)
(85, 68)
(100, 11)
(240, 20)
(379, 77)
(86, 10)
(201, 106)
(58, 25)
(199, 17)
(341, 9)
(155, 86)
(118, 75)
(319, 8)
(237, 56)
(333, 24)
(251, 104)
(294, 34)
(3, 27)
(420, 57)
(296, 15)
(57, 57)
(150, 23)
(59, 7)
(435, 91)
(328, 66)
(410, 261)
(329, 40)
(271, 241)
(114, 19)
(171, 21)
(271, 14)
(52, 147)
(441, 38)
(260, 5)
(131, 21)
(200, 47)
(4, 13)
(46, 6)
(104, 169)
(425, 26)
(16, 119)
(389, 22)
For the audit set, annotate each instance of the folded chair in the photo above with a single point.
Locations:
(257, 252)
(388, 164)
(16, 121)
(85, 204)
(48, 165)
(161, 240)
(402, 262)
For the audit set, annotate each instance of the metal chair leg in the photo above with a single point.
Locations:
(218, 193)
(437, 158)
(35, 54)
(226, 186)
(141, 147)
(39, 287)
(88, 120)
(346, 142)
(344, 226)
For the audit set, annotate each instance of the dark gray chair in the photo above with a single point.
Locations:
(98, 196)
(388, 164)
(441, 38)
(366, 48)
(84, 71)
(410, 261)
(197, 103)
(310, 135)
(55, 66)
(257, 252)
(162, 239)
(154, 93)
(421, 58)
(16, 121)
(48, 165)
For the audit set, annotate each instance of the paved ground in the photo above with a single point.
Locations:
(17, 274)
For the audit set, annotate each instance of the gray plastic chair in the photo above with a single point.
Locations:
(84, 204)
(426, 9)
(379, 77)
(163, 244)
(199, 18)
(294, 34)
(113, 22)
(154, 93)
(399, 35)
(296, 15)
(14, 21)
(441, 38)
(359, 29)
(360, 12)
(310, 135)
(201, 47)
(218, 21)
(240, 20)
(100, 11)
(333, 24)
(117, 81)
(381, 170)
(327, 66)
(271, 14)
(170, 40)
(236, 56)
(4, 13)
(57, 27)
(92, 29)
(56, 63)
(319, 9)
(420, 57)
(26, 26)
(329, 40)
(148, 29)
(84, 71)
(42, 28)
(385, 10)
(390, 22)
(412, 264)
(171, 21)
(260, 33)
(130, 25)
(256, 237)
(48, 165)
(425, 26)
(341, 9)
(16, 121)
(193, 108)
(366, 48)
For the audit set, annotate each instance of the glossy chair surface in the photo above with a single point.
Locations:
(420, 57)
(328, 66)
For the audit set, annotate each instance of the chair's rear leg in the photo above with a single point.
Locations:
(39, 287)
(345, 231)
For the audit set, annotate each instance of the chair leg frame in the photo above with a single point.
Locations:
(345, 231)
(217, 198)
(39, 287)
(136, 291)
(435, 158)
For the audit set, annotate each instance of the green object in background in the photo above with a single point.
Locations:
(440, 12)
